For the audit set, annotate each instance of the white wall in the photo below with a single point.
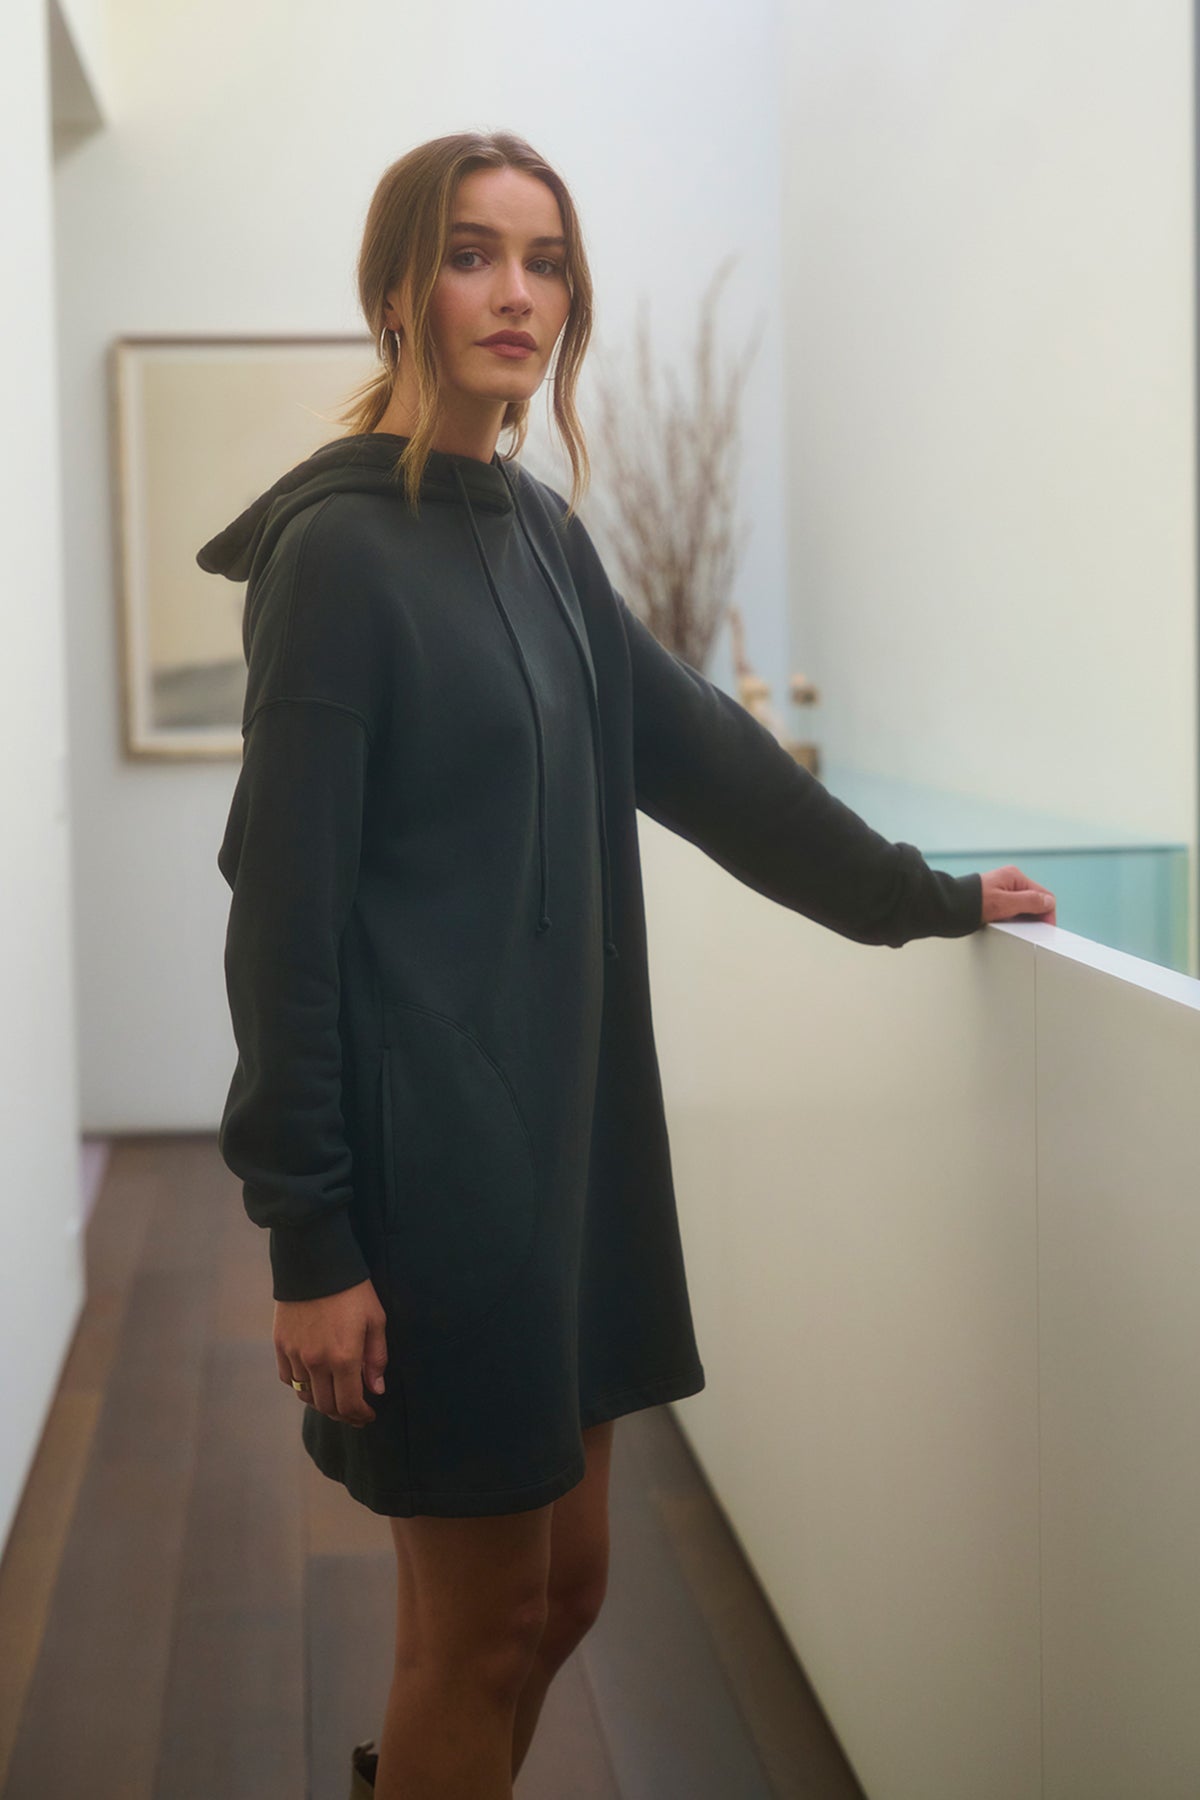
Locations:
(40, 1277)
(245, 146)
(990, 376)
(940, 1225)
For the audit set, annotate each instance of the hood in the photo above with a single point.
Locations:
(364, 463)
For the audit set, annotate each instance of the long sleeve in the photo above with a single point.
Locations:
(290, 855)
(708, 770)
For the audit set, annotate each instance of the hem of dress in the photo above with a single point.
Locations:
(440, 1503)
(618, 1401)
(410, 1503)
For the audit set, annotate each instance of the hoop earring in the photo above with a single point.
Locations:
(382, 352)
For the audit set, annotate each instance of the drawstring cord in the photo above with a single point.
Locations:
(610, 948)
(543, 923)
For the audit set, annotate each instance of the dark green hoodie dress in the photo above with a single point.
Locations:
(436, 954)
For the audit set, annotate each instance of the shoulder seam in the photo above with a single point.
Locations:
(308, 700)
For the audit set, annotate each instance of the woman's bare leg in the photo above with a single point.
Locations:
(577, 1581)
(471, 1612)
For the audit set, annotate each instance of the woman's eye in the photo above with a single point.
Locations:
(552, 267)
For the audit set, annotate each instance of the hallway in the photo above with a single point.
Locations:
(189, 1610)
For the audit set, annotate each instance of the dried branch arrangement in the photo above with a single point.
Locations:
(667, 480)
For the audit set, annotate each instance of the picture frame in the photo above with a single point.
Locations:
(200, 426)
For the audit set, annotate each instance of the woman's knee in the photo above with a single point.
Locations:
(474, 1592)
(571, 1611)
(503, 1659)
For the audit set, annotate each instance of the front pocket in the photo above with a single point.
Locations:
(460, 1199)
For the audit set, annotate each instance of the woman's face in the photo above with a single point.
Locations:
(497, 276)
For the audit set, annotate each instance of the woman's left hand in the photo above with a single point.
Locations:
(1008, 894)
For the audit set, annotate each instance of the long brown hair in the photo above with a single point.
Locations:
(405, 236)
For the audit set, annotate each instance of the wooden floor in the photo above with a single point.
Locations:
(189, 1610)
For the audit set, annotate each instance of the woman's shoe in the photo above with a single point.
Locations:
(364, 1760)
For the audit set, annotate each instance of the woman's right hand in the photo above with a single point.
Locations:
(1008, 893)
(338, 1345)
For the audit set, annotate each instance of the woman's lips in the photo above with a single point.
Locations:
(508, 349)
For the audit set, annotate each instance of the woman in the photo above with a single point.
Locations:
(446, 1108)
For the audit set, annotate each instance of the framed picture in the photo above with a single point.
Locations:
(200, 427)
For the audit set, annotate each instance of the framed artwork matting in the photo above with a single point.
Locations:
(200, 426)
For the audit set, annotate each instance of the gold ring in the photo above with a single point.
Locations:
(299, 1386)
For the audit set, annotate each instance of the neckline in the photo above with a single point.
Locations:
(477, 462)
(485, 481)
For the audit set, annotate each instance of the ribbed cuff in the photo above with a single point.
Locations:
(939, 904)
(320, 1257)
(970, 909)
(958, 909)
